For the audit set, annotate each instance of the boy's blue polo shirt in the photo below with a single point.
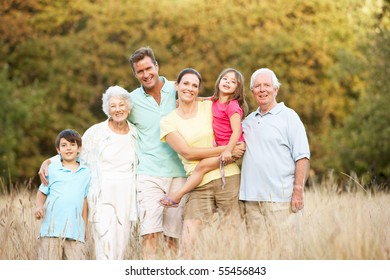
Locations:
(64, 203)
(156, 158)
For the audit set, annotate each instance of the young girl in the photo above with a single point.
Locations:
(229, 107)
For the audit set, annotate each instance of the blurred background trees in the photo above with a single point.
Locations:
(58, 57)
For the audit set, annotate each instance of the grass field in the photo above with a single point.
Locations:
(352, 224)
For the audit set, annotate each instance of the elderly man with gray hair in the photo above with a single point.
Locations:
(275, 164)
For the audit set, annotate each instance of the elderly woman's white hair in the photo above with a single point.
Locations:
(275, 81)
(115, 91)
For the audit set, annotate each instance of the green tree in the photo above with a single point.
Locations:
(362, 144)
(59, 56)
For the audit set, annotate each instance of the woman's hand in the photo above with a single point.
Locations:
(226, 156)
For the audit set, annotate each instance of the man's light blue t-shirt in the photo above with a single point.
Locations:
(64, 203)
(274, 142)
(156, 158)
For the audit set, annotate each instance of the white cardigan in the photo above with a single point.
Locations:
(95, 139)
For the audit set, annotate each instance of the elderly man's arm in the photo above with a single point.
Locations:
(301, 174)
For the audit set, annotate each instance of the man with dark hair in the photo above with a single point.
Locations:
(159, 171)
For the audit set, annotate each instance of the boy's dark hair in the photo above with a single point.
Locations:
(69, 135)
(140, 54)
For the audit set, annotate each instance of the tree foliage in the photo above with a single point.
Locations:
(57, 57)
(362, 143)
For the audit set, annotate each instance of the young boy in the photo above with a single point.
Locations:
(63, 203)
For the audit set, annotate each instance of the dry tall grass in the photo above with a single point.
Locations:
(353, 224)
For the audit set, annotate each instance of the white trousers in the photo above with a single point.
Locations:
(111, 226)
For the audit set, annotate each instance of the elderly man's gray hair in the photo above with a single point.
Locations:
(275, 81)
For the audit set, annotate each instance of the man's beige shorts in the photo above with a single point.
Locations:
(154, 217)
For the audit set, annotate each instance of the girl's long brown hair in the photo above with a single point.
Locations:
(239, 93)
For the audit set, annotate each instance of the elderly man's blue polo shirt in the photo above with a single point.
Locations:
(274, 142)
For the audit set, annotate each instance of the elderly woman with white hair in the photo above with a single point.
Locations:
(109, 151)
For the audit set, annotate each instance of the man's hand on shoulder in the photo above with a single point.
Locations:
(44, 172)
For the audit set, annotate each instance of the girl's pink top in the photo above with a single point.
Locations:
(221, 121)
